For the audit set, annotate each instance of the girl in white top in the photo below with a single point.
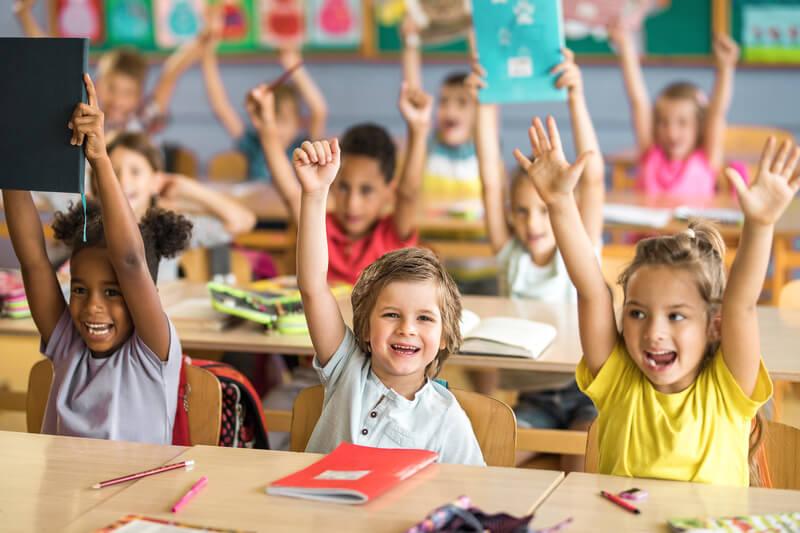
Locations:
(406, 310)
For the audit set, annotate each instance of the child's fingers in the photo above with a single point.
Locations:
(555, 137)
(523, 161)
(299, 155)
(534, 139)
(791, 165)
(320, 153)
(569, 55)
(90, 90)
(783, 155)
(541, 136)
(308, 149)
(328, 155)
(335, 152)
(577, 167)
(767, 156)
(737, 181)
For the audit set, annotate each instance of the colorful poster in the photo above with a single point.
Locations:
(334, 22)
(771, 33)
(281, 23)
(177, 21)
(519, 42)
(591, 18)
(440, 21)
(130, 22)
(238, 32)
(80, 18)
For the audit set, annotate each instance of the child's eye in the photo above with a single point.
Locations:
(635, 313)
(390, 315)
(78, 290)
(366, 190)
(111, 293)
(426, 318)
(676, 317)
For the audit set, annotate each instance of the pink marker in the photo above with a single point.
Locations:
(194, 491)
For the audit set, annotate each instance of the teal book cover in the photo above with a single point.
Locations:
(519, 42)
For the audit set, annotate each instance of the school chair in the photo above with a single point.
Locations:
(592, 455)
(782, 448)
(204, 399)
(493, 422)
(744, 143)
(788, 298)
(229, 166)
(180, 160)
(196, 264)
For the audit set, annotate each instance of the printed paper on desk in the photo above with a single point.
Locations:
(519, 42)
(353, 474)
(143, 524)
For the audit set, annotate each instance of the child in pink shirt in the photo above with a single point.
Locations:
(680, 139)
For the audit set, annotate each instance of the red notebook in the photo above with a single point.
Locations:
(353, 474)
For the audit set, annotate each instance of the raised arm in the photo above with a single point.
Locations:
(641, 108)
(415, 106)
(174, 67)
(309, 91)
(316, 165)
(215, 89)
(766, 199)
(22, 9)
(261, 108)
(591, 188)
(555, 181)
(412, 57)
(490, 164)
(41, 286)
(234, 216)
(121, 229)
(726, 54)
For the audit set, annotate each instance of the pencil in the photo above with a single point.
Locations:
(130, 477)
(280, 80)
(619, 501)
(194, 491)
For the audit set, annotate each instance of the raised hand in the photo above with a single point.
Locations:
(775, 184)
(570, 77)
(316, 164)
(86, 124)
(212, 32)
(550, 172)
(726, 51)
(415, 106)
(476, 80)
(260, 105)
(23, 5)
(289, 56)
(619, 32)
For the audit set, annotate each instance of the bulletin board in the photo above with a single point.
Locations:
(768, 31)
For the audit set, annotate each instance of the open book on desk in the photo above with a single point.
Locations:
(502, 336)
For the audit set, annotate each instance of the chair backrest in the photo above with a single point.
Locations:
(493, 422)
(790, 295)
(782, 446)
(748, 140)
(39, 381)
(205, 401)
(196, 264)
(592, 457)
(230, 166)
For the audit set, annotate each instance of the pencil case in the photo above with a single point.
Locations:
(263, 307)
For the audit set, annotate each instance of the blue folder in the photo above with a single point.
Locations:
(519, 42)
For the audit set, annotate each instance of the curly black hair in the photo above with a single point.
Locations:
(373, 141)
(164, 233)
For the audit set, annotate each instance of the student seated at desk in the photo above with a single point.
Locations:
(680, 139)
(530, 263)
(115, 353)
(406, 322)
(357, 230)
(678, 387)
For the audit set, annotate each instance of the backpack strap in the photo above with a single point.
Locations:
(180, 428)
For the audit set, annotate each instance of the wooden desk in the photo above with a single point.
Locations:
(578, 496)
(46, 480)
(235, 496)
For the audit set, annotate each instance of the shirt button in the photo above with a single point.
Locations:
(373, 414)
(364, 431)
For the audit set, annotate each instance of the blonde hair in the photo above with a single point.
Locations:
(684, 90)
(408, 264)
(125, 60)
(699, 250)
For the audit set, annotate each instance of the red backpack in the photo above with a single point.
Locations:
(242, 424)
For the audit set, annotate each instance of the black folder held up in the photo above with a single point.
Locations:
(41, 82)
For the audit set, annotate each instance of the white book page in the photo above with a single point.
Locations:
(528, 337)
(637, 215)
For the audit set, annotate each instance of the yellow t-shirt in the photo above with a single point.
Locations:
(699, 434)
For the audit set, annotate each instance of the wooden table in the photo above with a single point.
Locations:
(578, 497)
(46, 480)
(235, 496)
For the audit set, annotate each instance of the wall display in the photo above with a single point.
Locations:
(177, 21)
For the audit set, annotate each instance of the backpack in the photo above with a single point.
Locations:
(242, 424)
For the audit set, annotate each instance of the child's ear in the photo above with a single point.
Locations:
(715, 327)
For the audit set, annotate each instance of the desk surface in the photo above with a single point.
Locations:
(47, 479)
(235, 496)
(578, 497)
(780, 333)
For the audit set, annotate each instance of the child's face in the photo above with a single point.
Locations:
(360, 193)
(531, 222)
(96, 304)
(666, 326)
(676, 127)
(455, 115)
(119, 96)
(405, 333)
(287, 118)
(136, 176)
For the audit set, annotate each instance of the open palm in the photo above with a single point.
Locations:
(774, 186)
(553, 177)
(316, 164)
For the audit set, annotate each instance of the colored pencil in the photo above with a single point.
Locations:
(194, 491)
(280, 80)
(130, 477)
(619, 501)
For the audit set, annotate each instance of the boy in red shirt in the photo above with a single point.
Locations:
(358, 229)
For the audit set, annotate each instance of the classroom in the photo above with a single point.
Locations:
(400, 265)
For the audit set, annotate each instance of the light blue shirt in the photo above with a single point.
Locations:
(360, 409)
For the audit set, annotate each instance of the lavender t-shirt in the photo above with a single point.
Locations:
(130, 395)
